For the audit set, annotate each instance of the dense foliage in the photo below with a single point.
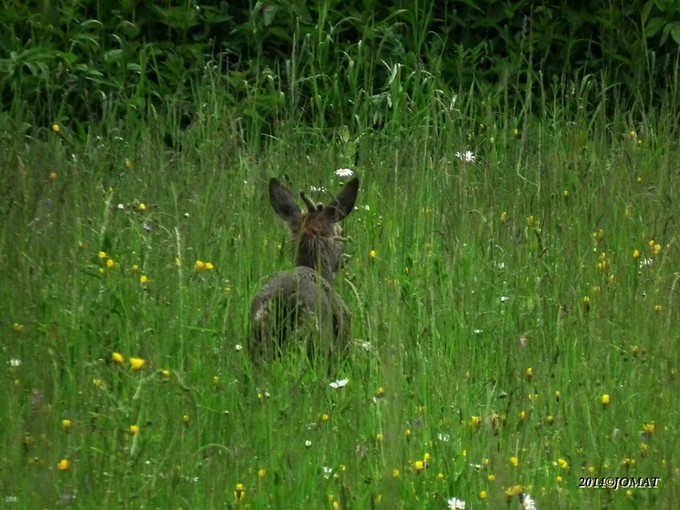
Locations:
(81, 60)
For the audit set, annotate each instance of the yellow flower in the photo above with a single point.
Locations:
(141, 207)
(144, 280)
(550, 420)
(491, 478)
(636, 254)
(658, 308)
(262, 473)
(200, 265)
(117, 358)
(379, 438)
(166, 373)
(530, 373)
(604, 400)
(505, 217)
(649, 428)
(418, 466)
(522, 416)
(66, 424)
(53, 176)
(18, 328)
(185, 419)
(239, 492)
(565, 193)
(102, 255)
(441, 476)
(515, 132)
(483, 495)
(110, 263)
(373, 254)
(137, 364)
(563, 463)
(408, 434)
(656, 249)
(475, 422)
(514, 461)
(324, 417)
(129, 165)
(136, 268)
(56, 129)
(396, 473)
(64, 465)
(380, 392)
(209, 266)
(134, 430)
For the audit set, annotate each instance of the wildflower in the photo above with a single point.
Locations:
(599, 235)
(562, 463)
(418, 466)
(64, 465)
(529, 373)
(656, 249)
(649, 428)
(137, 364)
(262, 473)
(466, 157)
(239, 492)
(110, 263)
(475, 422)
(379, 437)
(128, 165)
(515, 132)
(117, 358)
(483, 495)
(185, 419)
(505, 217)
(558, 395)
(53, 176)
(658, 308)
(18, 328)
(238, 347)
(396, 473)
(440, 476)
(209, 266)
(56, 128)
(636, 254)
(565, 193)
(373, 254)
(340, 383)
(136, 268)
(327, 472)
(102, 255)
(141, 207)
(144, 280)
(491, 477)
(550, 420)
(324, 417)
(456, 504)
(97, 383)
(514, 461)
(308, 443)
(66, 424)
(344, 173)
(380, 392)
(527, 502)
(166, 373)
(628, 462)
(199, 265)
(604, 400)
(134, 430)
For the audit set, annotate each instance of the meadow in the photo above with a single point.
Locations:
(513, 283)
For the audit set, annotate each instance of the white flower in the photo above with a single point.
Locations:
(238, 347)
(456, 504)
(327, 472)
(444, 438)
(15, 362)
(308, 443)
(320, 189)
(344, 173)
(466, 157)
(504, 299)
(340, 383)
(527, 502)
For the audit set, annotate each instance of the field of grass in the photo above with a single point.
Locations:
(515, 333)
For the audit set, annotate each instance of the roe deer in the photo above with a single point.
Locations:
(299, 304)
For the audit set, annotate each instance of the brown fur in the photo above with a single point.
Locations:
(300, 304)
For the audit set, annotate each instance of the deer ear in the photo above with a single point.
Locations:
(283, 201)
(343, 204)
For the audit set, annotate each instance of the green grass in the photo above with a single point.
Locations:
(463, 277)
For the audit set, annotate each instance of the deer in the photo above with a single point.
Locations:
(299, 306)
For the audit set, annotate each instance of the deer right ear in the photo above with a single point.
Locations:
(283, 201)
(343, 204)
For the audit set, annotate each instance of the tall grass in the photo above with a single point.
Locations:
(495, 302)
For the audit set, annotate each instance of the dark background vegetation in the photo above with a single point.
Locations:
(86, 60)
